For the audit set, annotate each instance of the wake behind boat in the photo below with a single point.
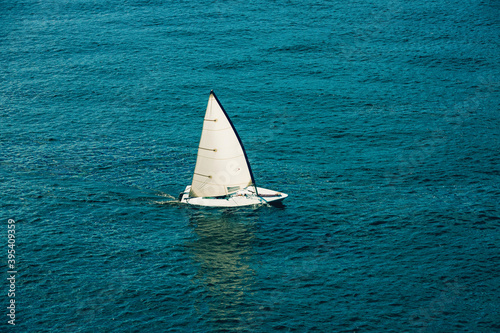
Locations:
(222, 175)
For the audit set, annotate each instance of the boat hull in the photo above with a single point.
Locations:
(244, 197)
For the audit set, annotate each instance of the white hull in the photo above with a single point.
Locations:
(244, 197)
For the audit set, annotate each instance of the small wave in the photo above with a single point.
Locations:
(170, 199)
(169, 202)
(166, 195)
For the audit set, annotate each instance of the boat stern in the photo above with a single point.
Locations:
(184, 195)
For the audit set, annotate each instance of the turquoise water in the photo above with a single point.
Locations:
(380, 120)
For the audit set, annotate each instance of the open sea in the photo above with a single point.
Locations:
(379, 118)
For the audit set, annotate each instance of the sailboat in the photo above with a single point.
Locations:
(222, 175)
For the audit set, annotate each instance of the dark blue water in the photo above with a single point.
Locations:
(380, 119)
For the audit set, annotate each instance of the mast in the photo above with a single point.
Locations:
(239, 140)
(222, 165)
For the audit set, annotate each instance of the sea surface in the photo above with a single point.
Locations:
(379, 118)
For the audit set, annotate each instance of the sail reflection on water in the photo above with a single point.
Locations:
(221, 251)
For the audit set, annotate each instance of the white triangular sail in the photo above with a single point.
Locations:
(221, 167)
